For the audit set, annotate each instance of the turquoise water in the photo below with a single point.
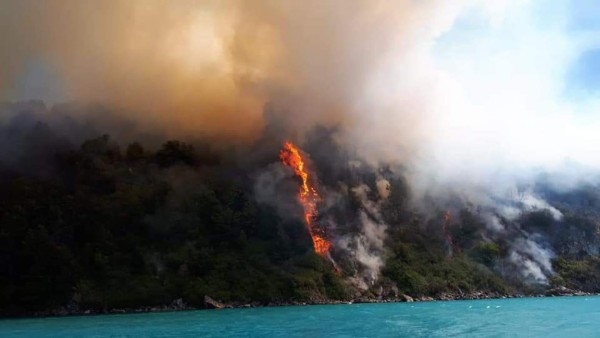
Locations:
(526, 317)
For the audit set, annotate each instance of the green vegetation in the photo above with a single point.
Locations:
(421, 264)
(581, 274)
(147, 228)
(114, 229)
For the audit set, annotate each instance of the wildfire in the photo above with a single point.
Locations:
(308, 197)
(450, 241)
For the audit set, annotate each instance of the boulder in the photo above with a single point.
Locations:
(406, 298)
(448, 296)
(213, 304)
(179, 304)
(560, 291)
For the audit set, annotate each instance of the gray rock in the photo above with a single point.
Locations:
(179, 304)
(406, 298)
(213, 304)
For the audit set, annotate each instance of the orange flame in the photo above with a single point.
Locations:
(308, 197)
(450, 241)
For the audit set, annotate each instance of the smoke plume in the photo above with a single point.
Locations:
(368, 245)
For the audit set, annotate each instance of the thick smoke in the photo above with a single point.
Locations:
(433, 93)
(467, 97)
(210, 66)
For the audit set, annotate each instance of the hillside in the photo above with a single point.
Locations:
(102, 226)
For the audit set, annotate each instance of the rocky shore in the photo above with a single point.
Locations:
(210, 303)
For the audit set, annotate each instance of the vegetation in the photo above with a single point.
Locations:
(144, 229)
(581, 274)
(422, 264)
(125, 229)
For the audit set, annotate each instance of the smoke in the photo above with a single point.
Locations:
(463, 86)
(161, 63)
(209, 67)
(471, 98)
(274, 187)
(532, 260)
(367, 246)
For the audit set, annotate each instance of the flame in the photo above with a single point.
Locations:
(308, 197)
(452, 248)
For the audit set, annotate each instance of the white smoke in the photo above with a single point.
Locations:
(532, 259)
(527, 252)
(367, 246)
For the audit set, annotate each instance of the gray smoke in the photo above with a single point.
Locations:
(368, 246)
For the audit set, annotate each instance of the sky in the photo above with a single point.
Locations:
(523, 87)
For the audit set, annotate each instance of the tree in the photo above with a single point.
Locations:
(134, 152)
(173, 152)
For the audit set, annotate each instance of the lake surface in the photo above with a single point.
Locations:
(525, 317)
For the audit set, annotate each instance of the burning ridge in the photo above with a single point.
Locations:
(308, 197)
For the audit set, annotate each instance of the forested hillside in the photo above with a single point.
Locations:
(101, 226)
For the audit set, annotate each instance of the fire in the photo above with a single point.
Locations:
(308, 197)
(452, 248)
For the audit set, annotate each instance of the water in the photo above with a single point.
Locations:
(527, 317)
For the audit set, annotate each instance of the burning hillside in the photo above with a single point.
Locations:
(186, 221)
(308, 197)
(400, 112)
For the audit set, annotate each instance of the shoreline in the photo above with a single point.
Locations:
(211, 304)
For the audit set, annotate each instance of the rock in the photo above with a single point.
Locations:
(447, 296)
(392, 292)
(179, 304)
(72, 308)
(560, 291)
(365, 300)
(213, 304)
(62, 311)
(406, 298)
